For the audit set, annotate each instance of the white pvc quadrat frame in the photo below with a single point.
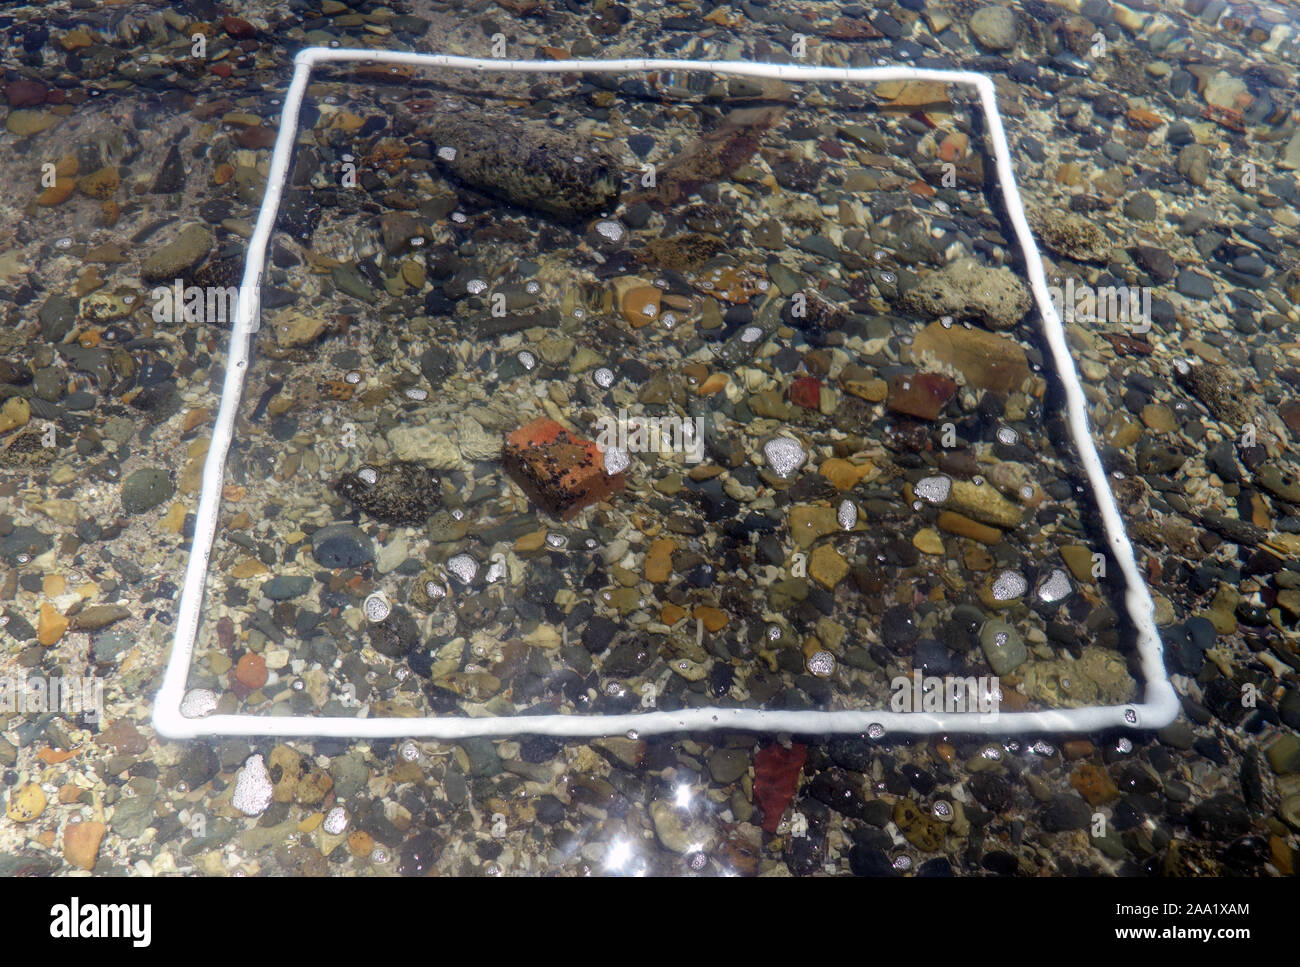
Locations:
(1159, 708)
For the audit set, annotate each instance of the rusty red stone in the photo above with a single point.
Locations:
(806, 391)
(776, 776)
(922, 395)
(25, 93)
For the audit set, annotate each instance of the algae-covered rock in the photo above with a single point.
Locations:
(969, 289)
(1098, 677)
(528, 164)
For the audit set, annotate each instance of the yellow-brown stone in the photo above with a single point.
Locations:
(26, 803)
(58, 192)
(659, 560)
(963, 526)
(671, 613)
(714, 619)
(100, 184)
(843, 474)
(928, 541)
(81, 843)
(50, 625)
(827, 566)
(1094, 784)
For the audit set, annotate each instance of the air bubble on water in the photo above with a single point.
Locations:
(942, 809)
(23, 558)
(417, 242)
(668, 319)
(368, 476)
(934, 490)
(379, 856)
(352, 378)
(463, 567)
(616, 461)
(878, 254)
(784, 455)
(409, 751)
(335, 43)
(65, 242)
(1026, 492)
(1124, 745)
(1007, 436)
(1009, 585)
(847, 514)
(526, 359)
(458, 514)
(460, 218)
(376, 607)
(434, 590)
(751, 334)
(604, 377)
(991, 752)
(330, 98)
(495, 572)
(336, 821)
(821, 664)
(946, 322)
(475, 286)
(1043, 748)
(611, 229)
(773, 632)
(633, 734)
(875, 731)
(580, 313)
(557, 541)
(198, 702)
(888, 278)
(417, 393)
(1055, 588)
(532, 287)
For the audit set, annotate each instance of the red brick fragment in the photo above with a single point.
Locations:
(776, 774)
(559, 472)
(922, 395)
(806, 391)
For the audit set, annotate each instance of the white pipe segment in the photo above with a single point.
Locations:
(1161, 703)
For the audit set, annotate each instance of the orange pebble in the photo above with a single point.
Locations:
(251, 670)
